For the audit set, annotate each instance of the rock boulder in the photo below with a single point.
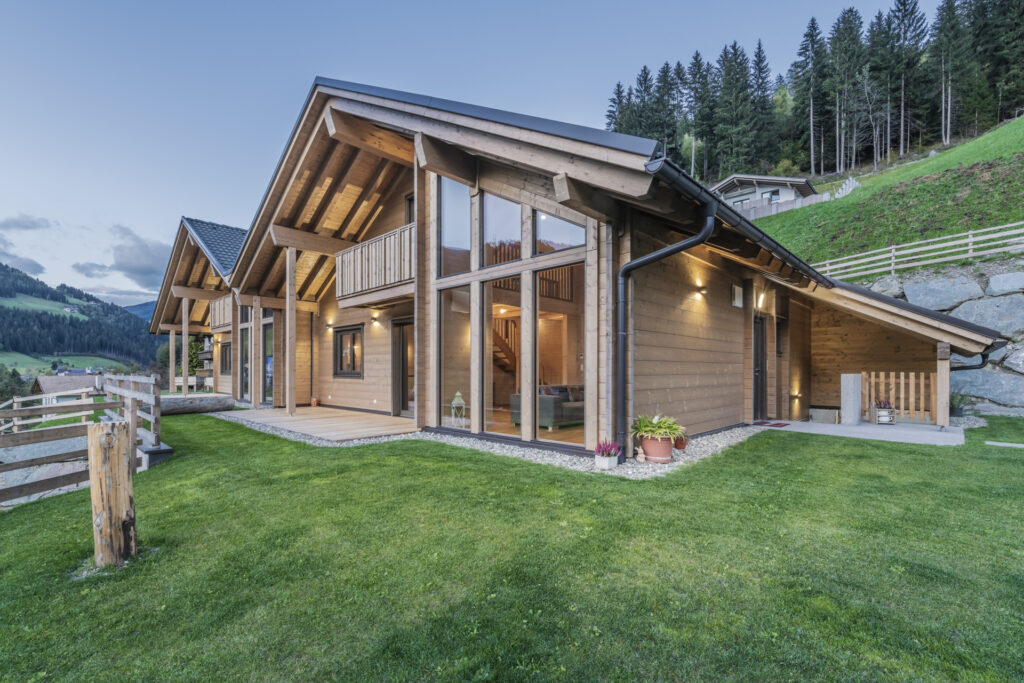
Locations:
(1005, 314)
(890, 285)
(1005, 283)
(1005, 388)
(942, 295)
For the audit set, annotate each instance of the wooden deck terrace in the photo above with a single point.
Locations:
(333, 424)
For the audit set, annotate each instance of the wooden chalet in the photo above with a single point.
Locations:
(459, 266)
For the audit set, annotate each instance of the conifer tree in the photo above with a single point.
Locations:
(734, 116)
(809, 75)
(762, 94)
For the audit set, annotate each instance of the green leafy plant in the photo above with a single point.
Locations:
(959, 400)
(657, 427)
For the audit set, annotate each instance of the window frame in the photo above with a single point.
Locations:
(536, 232)
(482, 237)
(225, 349)
(439, 227)
(336, 334)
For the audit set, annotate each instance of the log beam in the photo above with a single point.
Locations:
(583, 198)
(195, 293)
(439, 157)
(184, 346)
(290, 238)
(360, 133)
(276, 303)
(290, 336)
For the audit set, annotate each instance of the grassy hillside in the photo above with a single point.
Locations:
(24, 302)
(27, 364)
(978, 184)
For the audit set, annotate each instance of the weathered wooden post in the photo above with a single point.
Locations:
(113, 498)
(154, 425)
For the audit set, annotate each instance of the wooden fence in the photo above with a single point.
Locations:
(78, 397)
(912, 395)
(131, 398)
(1001, 239)
(759, 208)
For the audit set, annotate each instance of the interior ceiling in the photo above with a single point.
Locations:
(338, 191)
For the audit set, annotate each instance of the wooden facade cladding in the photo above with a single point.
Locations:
(384, 261)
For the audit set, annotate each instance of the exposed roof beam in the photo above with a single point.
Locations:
(368, 188)
(363, 134)
(307, 241)
(182, 292)
(337, 182)
(275, 302)
(447, 160)
(583, 198)
(176, 327)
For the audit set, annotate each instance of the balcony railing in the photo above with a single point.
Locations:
(220, 311)
(382, 262)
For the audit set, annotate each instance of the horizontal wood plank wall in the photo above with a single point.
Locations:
(687, 347)
(799, 370)
(373, 390)
(303, 358)
(843, 343)
(221, 382)
(392, 212)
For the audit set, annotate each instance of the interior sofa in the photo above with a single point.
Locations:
(558, 405)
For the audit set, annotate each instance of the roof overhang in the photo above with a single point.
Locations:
(191, 271)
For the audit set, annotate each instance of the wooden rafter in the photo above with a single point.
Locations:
(315, 180)
(338, 182)
(368, 189)
(361, 133)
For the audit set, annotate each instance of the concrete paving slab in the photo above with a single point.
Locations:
(925, 435)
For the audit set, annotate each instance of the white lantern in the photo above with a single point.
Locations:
(458, 411)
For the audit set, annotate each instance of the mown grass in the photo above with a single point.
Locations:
(978, 184)
(790, 556)
(27, 364)
(33, 303)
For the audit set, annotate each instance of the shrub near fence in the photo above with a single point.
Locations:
(1002, 239)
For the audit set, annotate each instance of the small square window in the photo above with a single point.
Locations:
(225, 358)
(737, 296)
(348, 351)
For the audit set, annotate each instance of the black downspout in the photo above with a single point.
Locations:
(709, 210)
(984, 357)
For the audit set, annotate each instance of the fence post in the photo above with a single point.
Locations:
(154, 426)
(892, 259)
(113, 499)
(970, 244)
(85, 397)
(16, 422)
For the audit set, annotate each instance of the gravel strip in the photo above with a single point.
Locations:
(699, 448)
(968, 422)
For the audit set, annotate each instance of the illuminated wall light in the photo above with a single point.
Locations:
(502, 311)
(760, 300)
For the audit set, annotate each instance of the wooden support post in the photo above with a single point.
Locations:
(172, 368)
(256, 357)
(154, 425)
(528, 358)
(942, 385)
(289, 327)
(184, 346)
(476, 362)
(113, 499)
(85, 397)
(236, 353)
(131, 411)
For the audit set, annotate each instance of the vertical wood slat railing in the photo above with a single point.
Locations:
(140, 395)
(384, 261)
(220, 311)
(912, 395)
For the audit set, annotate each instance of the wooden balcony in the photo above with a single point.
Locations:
(220, 312)
(383, 266)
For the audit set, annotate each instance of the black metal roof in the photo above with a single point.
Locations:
(594, 136)
(221, 243)
(920, 310)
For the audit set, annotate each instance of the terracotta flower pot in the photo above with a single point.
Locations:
(682, 442)
(657, 450)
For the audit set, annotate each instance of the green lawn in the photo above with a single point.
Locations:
(978, 184)
(788, 557)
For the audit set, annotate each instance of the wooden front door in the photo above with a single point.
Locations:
(760, 369)
(403, 368)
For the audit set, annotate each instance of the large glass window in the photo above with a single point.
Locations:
(502, 349)
(454, 217)
(554, 234)
(456, 388)
(245, 350)
(348, 351)
(503, 230)
(561, 405)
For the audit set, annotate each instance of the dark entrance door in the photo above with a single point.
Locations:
(760, 370)
(403, 368)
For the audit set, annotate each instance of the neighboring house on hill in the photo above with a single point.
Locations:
(742, 191)
(458, 265)
(51, 384)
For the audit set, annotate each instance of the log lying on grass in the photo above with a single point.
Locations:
(195, 403)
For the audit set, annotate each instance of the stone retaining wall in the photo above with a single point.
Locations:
(989, 294)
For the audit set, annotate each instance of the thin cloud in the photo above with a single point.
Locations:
(121, 297)
(90, 269)
(22, 263)
(141, 260)
(23, 221)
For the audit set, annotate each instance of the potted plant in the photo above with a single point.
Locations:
(682, 441)
(957, 402)
(606, 455)
(656, 436)
(882, 413)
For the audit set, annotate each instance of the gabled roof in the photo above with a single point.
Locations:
(222, 243)
(595, 136)
(49, 384)
(737, 180)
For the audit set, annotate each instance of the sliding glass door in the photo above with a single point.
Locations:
(561, 403)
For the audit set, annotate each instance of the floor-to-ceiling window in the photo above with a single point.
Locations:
(244, 350)
(456, 386)
(503, 230)
(268, 363)
(501, 348)
(561, 404)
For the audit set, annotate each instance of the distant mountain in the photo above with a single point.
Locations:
(37, 319)
(143, 310)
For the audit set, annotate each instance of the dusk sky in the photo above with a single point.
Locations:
(119, 118)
